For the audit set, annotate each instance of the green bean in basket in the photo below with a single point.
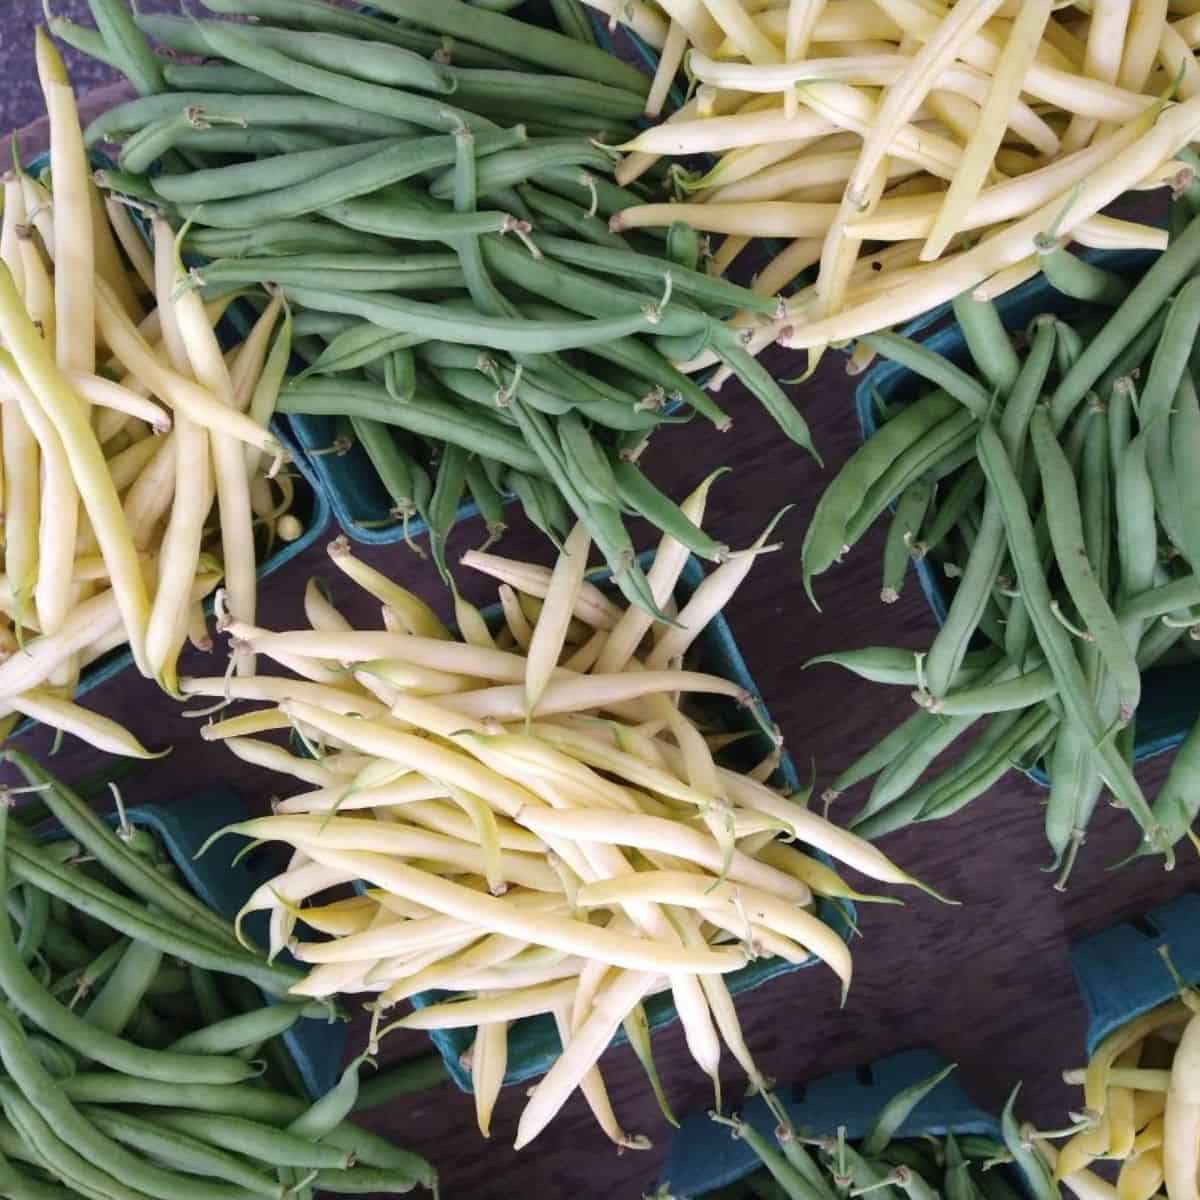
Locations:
(1068, 534)
(474, 236)
(151, 1068)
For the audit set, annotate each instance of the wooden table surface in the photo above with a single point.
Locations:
(987, 983)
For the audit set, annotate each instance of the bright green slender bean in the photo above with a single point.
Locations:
(449, 484)
(1022, 692)
(82, 38)
(498, 333)
(572, 217)
(559, 91)
(263, 174)
(516, 166)
(661, 511)
(424, 415)
(1184, 442)
(245, 1029)
(900, 547)
(825, 538)
(388, 166)
(405, 481)
(524, 487)
(221, 77)
(264, 1143)
(142, 878)
(245, 1100)
(1081, 280)
(124, 916)
(35, 916)
(57, 1157)
(263, 140)
(240, 271)
(1179, 594)
(884, 752)
(488, 500)
(44, 1094)
(1066, 531)
(317, 15)
(130, 53)
(595, 192)
(229, 41)
(1033, 1169)
(891, 665)
(400, 375)
(1166, 274)
(1053, 638)
(113, 1006)
(180, 1151)
(283, 237)
(988, 341)
(519, 39)
(761, 384)
(592, 466)
(284, 110)
(963, 493)
(897, 1110)
(411, 1075)
(356, 346)
(1178, 802)
(151, 143)
(394, 221)
(938, 370)
(711, 292)
(582, 293)
(361, 1181)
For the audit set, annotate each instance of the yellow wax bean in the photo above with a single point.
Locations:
(591, 605)
(511, 1006)
(550, 633)
(88, 726)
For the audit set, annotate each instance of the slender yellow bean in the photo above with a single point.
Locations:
(74, 246)
(130, 238)
(416, 616)
(591, 606)
(97, 390)
(550, 633)
(90, 727)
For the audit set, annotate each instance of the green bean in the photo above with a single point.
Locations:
(317, 15)
(1170, 597)
(1184, 442)
(263, 174)
(239, 271)
(488, 500)
(124, 916)
(245, 1029)
(825, 538)
(283, 237)
(131, 54)
(1054, 640)
(139, 876)
(531, 497)
(761, 384)
(393, 221)
(879, 756)
(35, 917)
(357, 345)
(244, 1100)
(400, 374)
(497, 333)
(988, 342)
(448, 487)
(325, 325)
(153, 141)
(572, 217)
(938, 454)
(57, 1059)
(891, 665)
(1136, 311)
(707, 290)
(44, 1094)
(595, 192)
(641, 360)
(405, 480)
(938, 370)
(1066, 531)
(60, 1158)
(897, 1110)
(685, 245)
(557, 91)
(180, 1151)
(63, 949)
(792, 1182)
(267, 110)
(1178, 801)
(233, 43)
(361, 1181)
(262, 1143)
(82, 38)
(519, 39)
(113, 1006)
(1081, 280)
(581, 293)
(1022, 692)
(411, 1075)
(642, 496)
(424, 415)
(900, 548)
(590, 464)
(221, 77)
(1028, 1161)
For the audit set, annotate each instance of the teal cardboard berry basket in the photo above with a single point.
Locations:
(533, 1042)
(224, 885)
(704, 1157)
(1121, 972)
(1170, 703)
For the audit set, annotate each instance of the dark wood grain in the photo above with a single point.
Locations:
(988, 982)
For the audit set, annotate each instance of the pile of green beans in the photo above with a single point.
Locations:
(805, 1165)
(138, 1056)
(460, 303)
(1057, 487)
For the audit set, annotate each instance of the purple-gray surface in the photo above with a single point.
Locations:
(988, 983)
